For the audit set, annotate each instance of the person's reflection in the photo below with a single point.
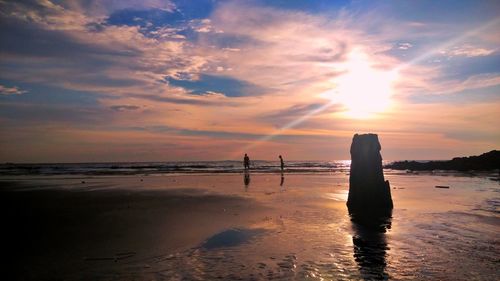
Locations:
(370, 244)
(246, 179)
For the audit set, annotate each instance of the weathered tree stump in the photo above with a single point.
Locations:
(368, 191)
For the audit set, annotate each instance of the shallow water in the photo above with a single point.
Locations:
(434, 234)
(307, 233)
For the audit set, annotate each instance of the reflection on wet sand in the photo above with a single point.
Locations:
(185, 227)
(246, 179)
(370, 244)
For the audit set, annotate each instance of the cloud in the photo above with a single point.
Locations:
(33, 115)
(264, 37)
(203, 26)
(124, 107)
(208, 99)
(223, 73)
(7, 91)
(404, 46)
(111, 53)
(55, 46)
(468, 51)
(473, 82)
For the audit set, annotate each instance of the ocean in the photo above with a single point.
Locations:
(153, 168)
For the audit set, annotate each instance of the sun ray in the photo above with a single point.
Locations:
(448, 44)
(352, 85)
(287, 126)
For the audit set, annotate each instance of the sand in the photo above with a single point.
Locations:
(62, 233)
(206, 227)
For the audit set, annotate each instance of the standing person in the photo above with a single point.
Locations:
(282, 164)
(246, 162)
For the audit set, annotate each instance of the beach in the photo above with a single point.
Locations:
(249, 140)
(222, 227)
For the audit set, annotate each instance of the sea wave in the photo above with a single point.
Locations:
(131, 168)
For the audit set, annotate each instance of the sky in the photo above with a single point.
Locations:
(155, 80)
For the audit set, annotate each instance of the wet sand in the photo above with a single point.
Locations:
(96, 228)
(206, 227)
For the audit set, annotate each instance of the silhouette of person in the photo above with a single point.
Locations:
(282, 179)
(282, 163)
(246, 162)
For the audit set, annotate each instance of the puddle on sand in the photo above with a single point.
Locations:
(231, 238)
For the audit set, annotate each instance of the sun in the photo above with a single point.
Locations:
(362, 90)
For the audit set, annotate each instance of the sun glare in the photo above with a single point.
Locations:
(363, 90)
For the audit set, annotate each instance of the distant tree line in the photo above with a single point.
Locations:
(486, 161)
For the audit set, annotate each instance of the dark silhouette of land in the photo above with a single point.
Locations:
(486, 161)
(368, 191)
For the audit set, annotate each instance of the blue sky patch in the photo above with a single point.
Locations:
(198, 9)
(230, 87)
(461, 68)
(43, 94)
(317, 6)
(143, 18)
(486, 94)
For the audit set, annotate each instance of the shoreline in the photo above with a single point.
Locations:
(492, 175)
